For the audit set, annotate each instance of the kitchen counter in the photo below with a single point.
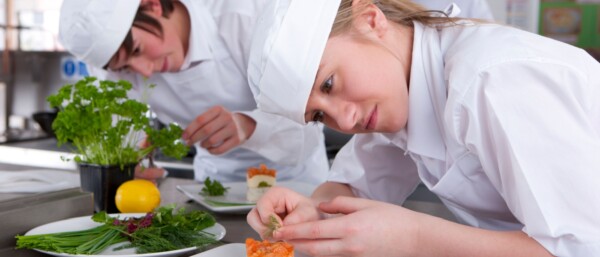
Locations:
(237, 230)
(45, 153)
(20, 212)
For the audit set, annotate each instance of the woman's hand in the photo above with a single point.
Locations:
(365, 228)
(219, 130)
(286, 205)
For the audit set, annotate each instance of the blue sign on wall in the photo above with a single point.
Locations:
(72, 69)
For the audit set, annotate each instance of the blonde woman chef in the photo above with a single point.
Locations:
(503, 125)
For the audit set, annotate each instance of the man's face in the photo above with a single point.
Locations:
(151, 53)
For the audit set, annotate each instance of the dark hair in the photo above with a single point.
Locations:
(147, 23)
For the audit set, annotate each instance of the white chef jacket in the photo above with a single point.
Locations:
(478, 9)
(504, 126)
(214, 73)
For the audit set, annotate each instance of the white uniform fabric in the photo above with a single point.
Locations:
(93, 30)
(506, 134)
(214, 73)
(283, 34)
(478, 9)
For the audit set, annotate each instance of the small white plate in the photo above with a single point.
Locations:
(236, 195)
(86, 222)
(233, 250)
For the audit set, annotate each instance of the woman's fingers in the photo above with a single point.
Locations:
(345, 205)
(255, 221)
(319, 229)
(325, 247)
(304, 211)
(277, 200)
(279, 204)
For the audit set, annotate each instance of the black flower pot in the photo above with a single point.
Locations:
(103, 181)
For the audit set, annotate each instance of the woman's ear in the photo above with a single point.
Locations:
(152, 6)
(368, 18)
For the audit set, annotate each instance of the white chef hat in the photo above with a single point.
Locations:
(93, 30)
(287, 46)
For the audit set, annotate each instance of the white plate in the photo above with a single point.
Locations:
(236, 194)
(86, 222)
(233, 250)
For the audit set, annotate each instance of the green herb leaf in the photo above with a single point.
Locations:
(168, 140)
(213, 188)
(263, 184)
(271, 226)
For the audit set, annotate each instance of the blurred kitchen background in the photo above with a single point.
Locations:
(34, 64)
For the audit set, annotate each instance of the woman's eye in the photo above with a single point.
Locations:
(136, 51)
(327, 85)
(318, 116)
(125, 68)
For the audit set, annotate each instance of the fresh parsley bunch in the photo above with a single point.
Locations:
(104, 125)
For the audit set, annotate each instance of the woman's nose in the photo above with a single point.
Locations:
(346, 116)
(142, 67)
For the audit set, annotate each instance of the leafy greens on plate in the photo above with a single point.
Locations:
(213, 188)
(164, 229)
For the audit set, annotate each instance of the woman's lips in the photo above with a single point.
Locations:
(372, 121)
(165, 66)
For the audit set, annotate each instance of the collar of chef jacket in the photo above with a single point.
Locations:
(203, 31)
(427, 95)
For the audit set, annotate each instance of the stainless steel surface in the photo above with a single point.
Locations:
(18, 215)
(36, 154)
(12, 135)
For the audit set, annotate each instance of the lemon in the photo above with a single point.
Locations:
(138, 195)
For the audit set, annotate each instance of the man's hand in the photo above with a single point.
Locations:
(219, 130)
(151, 173)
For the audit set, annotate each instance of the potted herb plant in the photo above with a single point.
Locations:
(105, 129)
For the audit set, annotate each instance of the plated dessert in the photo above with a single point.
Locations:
(259, 180)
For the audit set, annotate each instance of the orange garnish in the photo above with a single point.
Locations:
(265, 248)
(262, 170)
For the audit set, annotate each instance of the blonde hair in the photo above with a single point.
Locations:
(403, 12)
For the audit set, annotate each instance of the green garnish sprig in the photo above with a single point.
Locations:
(213, 188)
(263, 184)
(272, 226)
